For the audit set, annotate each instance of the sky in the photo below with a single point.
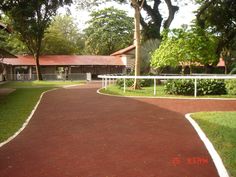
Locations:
(184, 16)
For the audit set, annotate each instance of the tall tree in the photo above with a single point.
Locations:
(62, 37)
(109, 30)
(219, 17)
(186, 48)
(31, 18)
(152, 24)
(137, 36)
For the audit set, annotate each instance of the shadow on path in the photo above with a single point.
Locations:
(77, 132)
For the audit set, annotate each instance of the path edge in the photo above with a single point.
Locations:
(27, 120)
(209, 146)
(157, 97)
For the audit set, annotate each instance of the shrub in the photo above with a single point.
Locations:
(130, 82)
(179, 87)
(233, 71)
(231, 86)
(186, 87)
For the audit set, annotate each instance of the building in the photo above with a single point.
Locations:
(55, 67)
(127, 55)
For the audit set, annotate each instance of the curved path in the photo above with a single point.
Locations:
(76, 132)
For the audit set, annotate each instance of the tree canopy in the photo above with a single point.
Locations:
(30, 19)
(154, 21)
(219, 17)
(109, 30)
(186, 48)
(62, 37)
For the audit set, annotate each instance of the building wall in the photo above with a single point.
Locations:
(59, 72)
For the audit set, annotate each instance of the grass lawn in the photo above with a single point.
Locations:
(148, 91)
(220, 128)
(30, 84)
(17, 106)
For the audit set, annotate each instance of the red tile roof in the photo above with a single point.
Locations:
(124, 51)
(49, 60)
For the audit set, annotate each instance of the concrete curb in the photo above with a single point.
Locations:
(224, 99)
(210, 148)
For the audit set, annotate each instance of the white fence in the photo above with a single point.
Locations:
(108, 79)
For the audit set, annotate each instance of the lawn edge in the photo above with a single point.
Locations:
(160, 97)
(209, 146)
(27, 120)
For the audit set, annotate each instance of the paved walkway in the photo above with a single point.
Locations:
(77, 133)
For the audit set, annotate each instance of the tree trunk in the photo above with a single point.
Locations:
(137, 43)
(190, 69)
(38, 70)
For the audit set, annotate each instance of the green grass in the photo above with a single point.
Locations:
(220, 128)
(148, 91)
(15, 108)
(30, 84)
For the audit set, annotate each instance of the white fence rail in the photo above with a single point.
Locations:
(108, 79)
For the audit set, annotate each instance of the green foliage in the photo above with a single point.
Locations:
(11, 41)
(185, 47)
(108, 31)
(62, 37)
(30, 19)
(233, 71)
(219, 17)
(153, 20)
(130, 82)
(204, 87)
(231, 86)
(147, 48)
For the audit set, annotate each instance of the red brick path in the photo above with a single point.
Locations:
(78, 133)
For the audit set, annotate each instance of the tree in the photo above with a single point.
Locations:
(62, 37)
(11, 42)
(154, 22)
(147, 49)
(108, 31)
(186, 48)
(219, 17)
(31, 18)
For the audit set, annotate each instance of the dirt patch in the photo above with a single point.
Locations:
(6, 91)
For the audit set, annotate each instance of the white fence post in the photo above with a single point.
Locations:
(195, 87)
(105, 83)
(102, 82)
(195, 78)
(124, 85)
(155, 85)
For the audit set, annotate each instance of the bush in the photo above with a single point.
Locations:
(130, 82)
(231, 86)
(179, 87)
(204, 87)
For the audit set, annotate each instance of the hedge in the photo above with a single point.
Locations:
(204, 87)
